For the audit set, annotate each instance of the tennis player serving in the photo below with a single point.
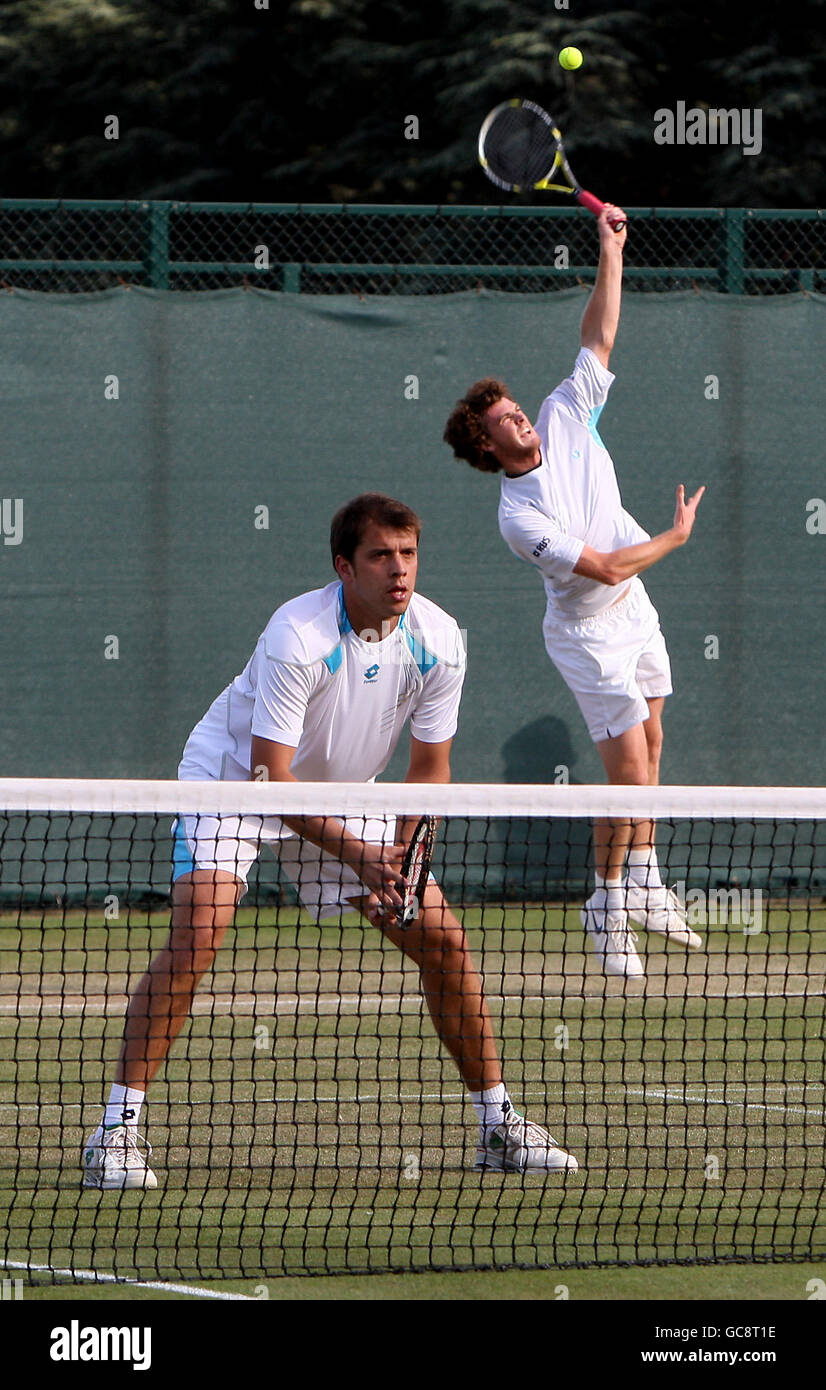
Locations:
(560, 509)
(335, 677)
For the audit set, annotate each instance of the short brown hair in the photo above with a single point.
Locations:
(351, 521)
(465, 430)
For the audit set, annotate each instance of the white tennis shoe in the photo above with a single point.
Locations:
(112, 1160)
(615, 945)
(660, 910)
(518, 1146)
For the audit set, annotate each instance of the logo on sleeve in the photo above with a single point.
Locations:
(371, 673)
(543, 545)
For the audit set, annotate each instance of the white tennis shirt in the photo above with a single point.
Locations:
(342, 703)
(572, 499)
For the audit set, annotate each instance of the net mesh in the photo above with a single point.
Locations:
(70, 246)
(309, 1120)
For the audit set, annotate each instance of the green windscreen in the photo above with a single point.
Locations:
(171, 463)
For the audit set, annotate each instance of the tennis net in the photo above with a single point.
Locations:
(308, 1119)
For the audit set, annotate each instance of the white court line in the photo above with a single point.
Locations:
(528, 1099)
(36, 1005)
(90, 1274)
(680, 1098)
(525, 1098)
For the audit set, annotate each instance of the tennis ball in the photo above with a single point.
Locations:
(570, 58)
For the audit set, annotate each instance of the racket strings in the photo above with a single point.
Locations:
(520, 147)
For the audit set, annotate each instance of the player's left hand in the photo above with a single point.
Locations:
(607, 235)
(379, 866)
(686, 512)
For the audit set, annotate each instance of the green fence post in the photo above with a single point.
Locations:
(292, 277)
(733, 267)
(157, 258)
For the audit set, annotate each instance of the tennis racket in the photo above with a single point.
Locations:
(415, 867)
(520, 147)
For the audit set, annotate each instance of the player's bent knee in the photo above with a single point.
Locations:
(639, 777)
(194, 949)
(631, 774)
(436, 943)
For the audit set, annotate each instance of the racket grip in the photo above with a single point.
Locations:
(595, 206)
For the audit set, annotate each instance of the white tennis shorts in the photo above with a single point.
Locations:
(613, 663)
(324, 885)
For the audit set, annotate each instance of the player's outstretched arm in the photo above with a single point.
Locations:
(601, 318)
(615, 566)
(377, 866)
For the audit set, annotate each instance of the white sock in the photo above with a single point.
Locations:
(609, 894)
(491, 1106)
(123, 1106)
(643, 868)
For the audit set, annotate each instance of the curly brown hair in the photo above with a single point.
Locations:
(465, 430)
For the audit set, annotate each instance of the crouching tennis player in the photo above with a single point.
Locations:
(560, 509)
(336, 675)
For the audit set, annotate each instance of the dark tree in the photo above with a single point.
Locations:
(308, 100)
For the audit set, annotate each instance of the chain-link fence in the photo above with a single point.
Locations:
(73, 246)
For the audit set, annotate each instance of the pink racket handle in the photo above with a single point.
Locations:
(595, 206)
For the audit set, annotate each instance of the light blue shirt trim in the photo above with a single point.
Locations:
(334, 660)
(423, 658)
(592, 424)
(344, 624)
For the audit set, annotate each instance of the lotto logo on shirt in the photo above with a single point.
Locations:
(371, 673)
